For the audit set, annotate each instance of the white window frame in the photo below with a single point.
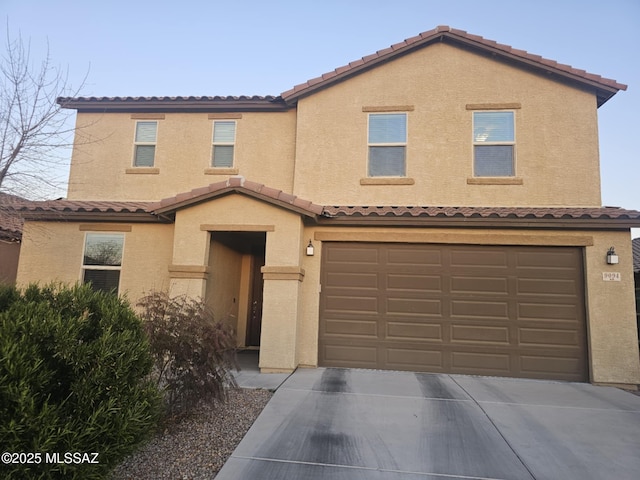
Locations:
(232, 144)
(387, 144)
(137, 144)
(476, 143)
(102, 267)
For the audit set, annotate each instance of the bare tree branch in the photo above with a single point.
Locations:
(34, 129)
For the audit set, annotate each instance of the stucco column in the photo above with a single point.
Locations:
(279, 337)
(613, 335)
(189, 270)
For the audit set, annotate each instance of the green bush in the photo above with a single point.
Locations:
(74, 367)
(193, 354)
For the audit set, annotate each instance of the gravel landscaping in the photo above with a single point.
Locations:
(197, 446)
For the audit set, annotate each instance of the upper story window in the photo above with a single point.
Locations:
(387, 144)
(494, 144)
(102, 260)
(224, 139)
(145, 144)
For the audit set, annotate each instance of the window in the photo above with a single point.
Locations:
(224, 137)
(102, 260)
(387, 144)
(145, 144)
(493, 144)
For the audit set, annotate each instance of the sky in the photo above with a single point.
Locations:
(253, 47)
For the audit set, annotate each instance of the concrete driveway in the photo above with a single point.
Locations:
(364, 424)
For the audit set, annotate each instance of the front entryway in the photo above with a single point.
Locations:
(234, 289)
(484, 310)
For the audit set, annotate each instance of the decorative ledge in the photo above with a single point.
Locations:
(234, 227)
(221, 171)
(225, 115)
(189, 271)
(495, 181)
(282, 273)
(387, 181)
(147, 116)
(143, 170)
(494, 106)
(104, 227)
(390, 108)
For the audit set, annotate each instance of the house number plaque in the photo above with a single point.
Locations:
(611, 276)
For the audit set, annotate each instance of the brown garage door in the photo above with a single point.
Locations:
(506, 311)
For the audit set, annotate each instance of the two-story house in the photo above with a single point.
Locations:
(434, 206)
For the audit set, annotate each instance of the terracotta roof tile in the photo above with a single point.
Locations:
(240, 185)
(607, 87)
(484, 212)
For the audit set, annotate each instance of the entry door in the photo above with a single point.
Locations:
(254, 322)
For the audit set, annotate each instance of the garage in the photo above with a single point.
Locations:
(515, 311)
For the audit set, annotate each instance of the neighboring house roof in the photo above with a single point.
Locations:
(164, 211)
(635, 245)
(604, 88)
(10, 222)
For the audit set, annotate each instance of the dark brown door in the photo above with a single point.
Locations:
(504, 311)
(254, 322)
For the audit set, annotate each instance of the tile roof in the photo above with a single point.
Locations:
(635, 245)
(164, 210)
(595, 213)
(239, 185)
(180, 103)
(10, 222)
(605, 87)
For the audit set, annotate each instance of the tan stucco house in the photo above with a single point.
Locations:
(10, 237)
(434, 206)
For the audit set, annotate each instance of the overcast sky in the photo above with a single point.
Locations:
(252, 47)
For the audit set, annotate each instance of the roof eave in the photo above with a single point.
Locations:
(154, 105)
(480, 222)
(93, 216)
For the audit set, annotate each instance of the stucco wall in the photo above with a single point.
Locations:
(223, 285)
(556, 134)
(104, 150)
(611, 327)
(9, 254)
(53, 252)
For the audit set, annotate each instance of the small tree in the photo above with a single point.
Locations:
(33, 125)
(193, 354)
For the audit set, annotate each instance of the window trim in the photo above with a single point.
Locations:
(136, 144)
(511, 143)
(380, 113)
(215, 144)
(84, 267)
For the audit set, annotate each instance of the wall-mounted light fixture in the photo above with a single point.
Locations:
(310, 249)
(612, 258)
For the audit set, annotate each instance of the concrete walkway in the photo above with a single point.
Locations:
(364, 424)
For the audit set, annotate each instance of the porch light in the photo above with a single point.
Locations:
(310, 249)
(612, 258)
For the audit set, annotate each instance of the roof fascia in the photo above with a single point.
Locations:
(57, 216)
(481, 222)
(155, 105)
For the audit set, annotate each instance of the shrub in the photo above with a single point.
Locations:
(193, 354)
(74, 367)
